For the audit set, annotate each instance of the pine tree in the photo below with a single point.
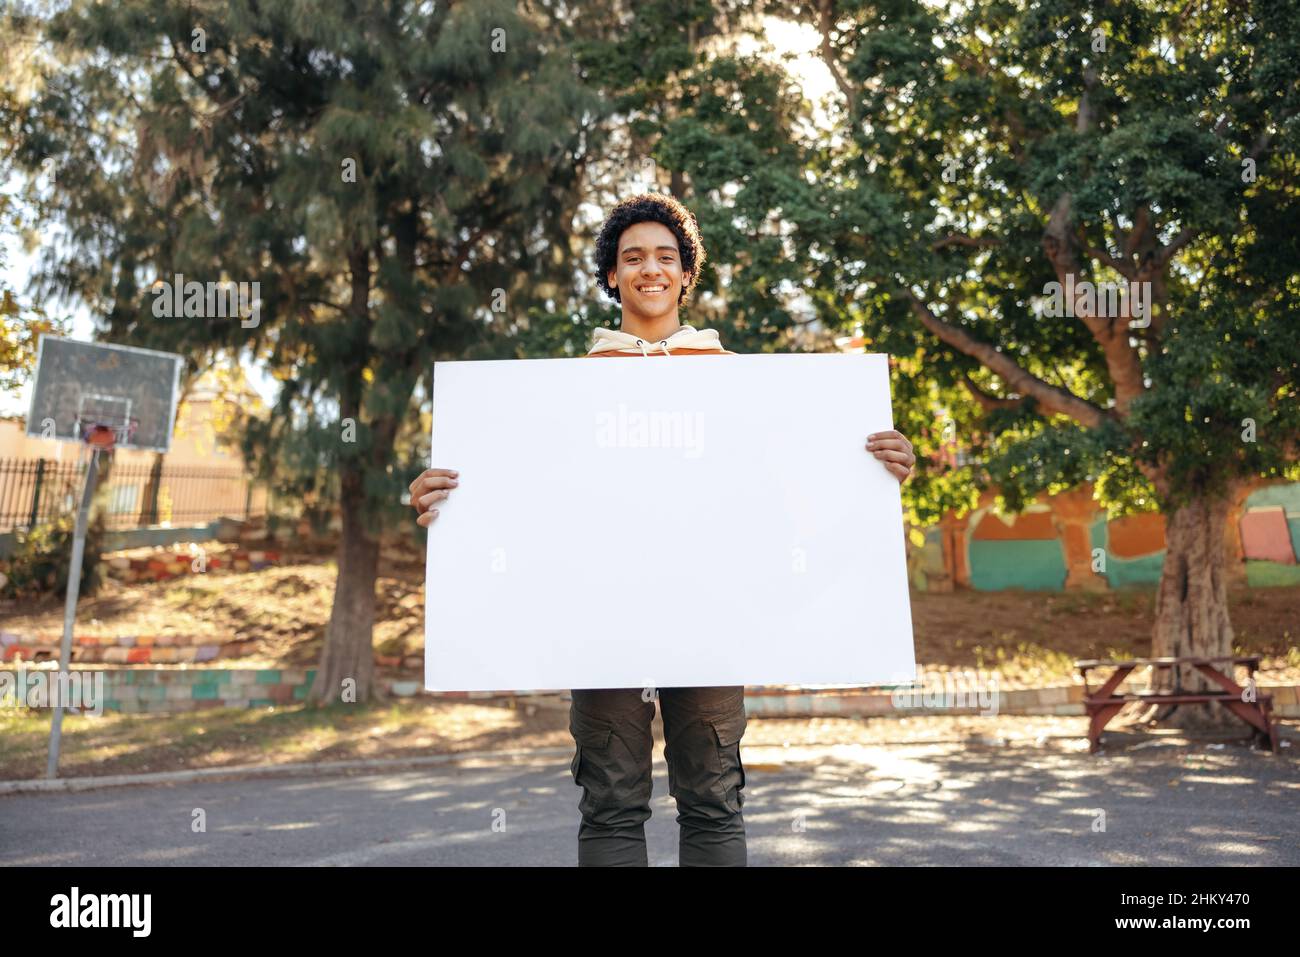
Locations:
(393, 175)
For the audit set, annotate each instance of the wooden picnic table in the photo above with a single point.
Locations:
(1106, 701)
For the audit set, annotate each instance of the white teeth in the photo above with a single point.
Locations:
(652, 288)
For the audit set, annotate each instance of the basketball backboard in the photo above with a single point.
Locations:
(85, 387)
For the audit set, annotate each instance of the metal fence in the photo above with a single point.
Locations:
(33, 491)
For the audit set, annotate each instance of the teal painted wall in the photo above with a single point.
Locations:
(1288, 496)
(1040, 565)
(1122, 572)
(1032, 565)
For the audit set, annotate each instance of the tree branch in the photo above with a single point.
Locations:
(1122, 267)
(828, 53)
(1083, 121)
(957, 239)
(1121, 359)
(1048, 396)
(1141, 223)
(987, 401)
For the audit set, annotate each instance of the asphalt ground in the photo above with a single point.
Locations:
(946, 802)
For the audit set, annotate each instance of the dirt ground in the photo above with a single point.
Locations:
(1030, 638)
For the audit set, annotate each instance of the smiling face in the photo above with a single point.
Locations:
(648, 272)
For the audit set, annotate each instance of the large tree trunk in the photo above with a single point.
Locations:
(347, 666)
(348, 659)
(1192, 605)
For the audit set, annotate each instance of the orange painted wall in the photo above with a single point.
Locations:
(1136, 535)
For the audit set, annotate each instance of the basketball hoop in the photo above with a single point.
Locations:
(101, 437)
(106, 435)
(105, 397)
(105, 422)
(85, 388)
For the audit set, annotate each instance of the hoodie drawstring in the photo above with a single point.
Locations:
(611, 342)
(662, 343)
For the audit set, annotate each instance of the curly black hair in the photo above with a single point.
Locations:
(650, 208)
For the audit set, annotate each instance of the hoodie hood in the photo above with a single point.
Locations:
(687, 338)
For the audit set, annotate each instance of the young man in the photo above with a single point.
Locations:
(648, 258)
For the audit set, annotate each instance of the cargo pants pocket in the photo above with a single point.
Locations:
(611, 763)
(589, 735)
(728, 730)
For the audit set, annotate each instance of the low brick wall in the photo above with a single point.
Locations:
(170, 690)
(122, 649)
(857, 702)
(190, 689)
(1062, 700)
(162, 566)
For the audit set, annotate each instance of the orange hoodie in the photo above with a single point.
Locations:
(686, 341)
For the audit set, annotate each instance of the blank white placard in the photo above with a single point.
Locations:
(665, 522)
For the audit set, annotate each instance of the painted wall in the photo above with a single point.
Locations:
(1065, 542)
(1023, 551)
(1270, 536)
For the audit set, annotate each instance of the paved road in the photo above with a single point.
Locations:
(941, 803)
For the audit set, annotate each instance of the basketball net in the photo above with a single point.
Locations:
(105, 436)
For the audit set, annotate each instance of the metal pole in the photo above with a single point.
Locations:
(36, 495)
(70, 609)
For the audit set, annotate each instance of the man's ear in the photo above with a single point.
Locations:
(612, 279)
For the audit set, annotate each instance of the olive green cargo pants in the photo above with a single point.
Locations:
(611, 763)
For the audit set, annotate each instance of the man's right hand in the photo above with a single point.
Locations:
(431, 486)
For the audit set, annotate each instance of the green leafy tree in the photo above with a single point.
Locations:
(695, 111)
(21, 327)
(974, 156)
(396, 176)
(992, 150)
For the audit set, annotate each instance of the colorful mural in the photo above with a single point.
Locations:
(1133, 547)
(1066, 542)
(1023, 551)
(1270, 536)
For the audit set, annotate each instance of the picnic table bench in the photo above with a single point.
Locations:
(1104, 702)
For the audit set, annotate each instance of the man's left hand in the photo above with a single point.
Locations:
(894, 450)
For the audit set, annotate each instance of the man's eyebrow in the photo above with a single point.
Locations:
(639, 249)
